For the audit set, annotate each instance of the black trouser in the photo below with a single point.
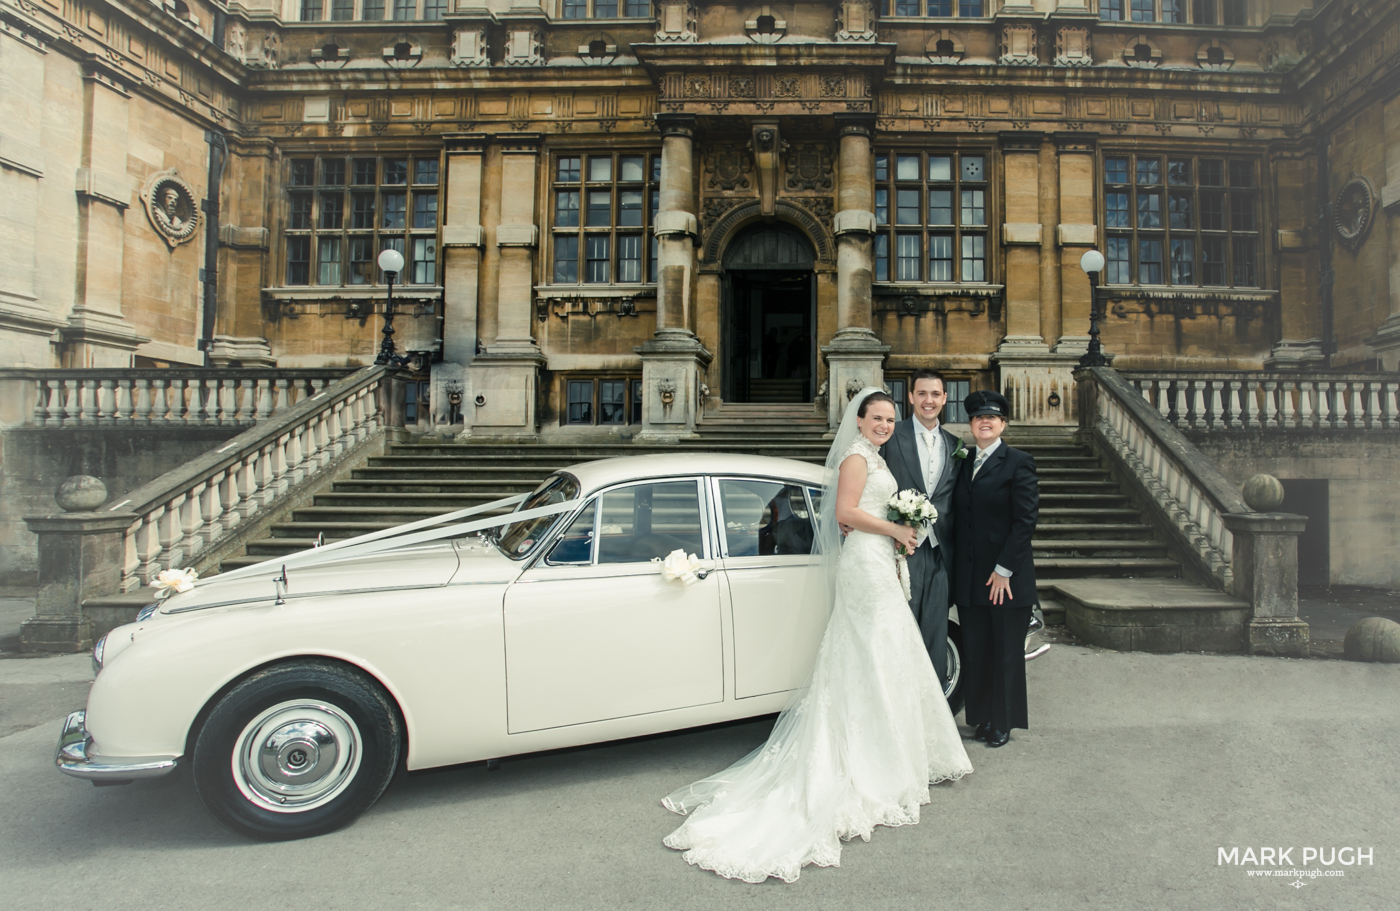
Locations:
(929, 603)
(994, 656)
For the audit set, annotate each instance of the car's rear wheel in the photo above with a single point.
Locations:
(296, 750)
(953, 682)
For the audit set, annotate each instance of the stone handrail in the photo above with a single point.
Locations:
(1257, 400)
(178, 396)
(1187, 488)
(185, 512)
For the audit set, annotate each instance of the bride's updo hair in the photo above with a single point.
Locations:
(874, 397)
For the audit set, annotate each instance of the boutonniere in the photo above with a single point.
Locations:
(961, 452)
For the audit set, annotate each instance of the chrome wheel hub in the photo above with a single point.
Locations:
(296, 756)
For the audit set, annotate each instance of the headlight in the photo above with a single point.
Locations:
(97, 651)
(146, 612)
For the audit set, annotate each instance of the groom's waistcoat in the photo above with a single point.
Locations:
(901, 455)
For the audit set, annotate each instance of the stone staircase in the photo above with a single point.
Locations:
(1088, 529)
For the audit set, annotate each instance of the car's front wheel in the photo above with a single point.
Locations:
(953, 680)
(297, 750)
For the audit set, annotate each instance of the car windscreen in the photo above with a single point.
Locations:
(519, 538)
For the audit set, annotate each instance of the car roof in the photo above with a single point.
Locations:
(607, 472)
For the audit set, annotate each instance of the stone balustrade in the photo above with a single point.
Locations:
(1250, 554)
(188, 396)
(1256, 400)
(182, 518)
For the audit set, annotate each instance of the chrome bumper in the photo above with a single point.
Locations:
(72, 758)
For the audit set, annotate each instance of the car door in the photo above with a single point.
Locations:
(765, 538)
(594, 632)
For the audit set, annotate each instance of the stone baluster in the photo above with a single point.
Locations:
(171, 532)
(280, 403)
(141, 413)
(192, 522)
(1181, 407)
(52, 398)
(1392, 401)
(1198, 404)
(1285, 398)
(247, 400)
(1164, 400)
(90, 411)
(210, 513)
(1340, 417)
(1324, 404)
(1217, 411)
(1358, 411)
(1232, 397)
(1307, 414)
(228, 402)
(1270, 404)
(106, 402)
(1251, 403)
(263, 393)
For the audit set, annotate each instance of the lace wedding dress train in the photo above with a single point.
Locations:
(858, 748)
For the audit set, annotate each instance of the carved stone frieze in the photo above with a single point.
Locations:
(787, 87)
(697, 86)
(832, 86)
(1072, 47)
(743, 87)
(727, 168)
(809, 167)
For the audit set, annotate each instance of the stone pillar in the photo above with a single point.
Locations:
(1265, 566)
(81, 556)
(462, 241)
(96, 334)
(855, 358)
(1386, 341)
(673, 360)
(30, 324)
(1295, 240)
(501, 390)
(1038, 381)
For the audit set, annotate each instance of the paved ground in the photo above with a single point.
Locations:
(1138, 769)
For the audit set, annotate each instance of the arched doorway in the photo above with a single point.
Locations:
(768, 315)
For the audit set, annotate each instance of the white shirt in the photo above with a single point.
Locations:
(984, 455)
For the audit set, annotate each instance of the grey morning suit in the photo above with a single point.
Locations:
(928, 566)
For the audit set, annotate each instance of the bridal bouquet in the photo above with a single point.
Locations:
(909, 507)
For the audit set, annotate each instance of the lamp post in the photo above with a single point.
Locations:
(1092, 263)
(390, 263)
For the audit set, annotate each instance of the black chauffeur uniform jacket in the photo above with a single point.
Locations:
(994, 518)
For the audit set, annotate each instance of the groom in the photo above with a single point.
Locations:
(920, 456)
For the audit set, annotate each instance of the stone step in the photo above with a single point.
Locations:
(1099, 548)
(1083, 499)
(1078, 485)
(1113, 567)
(1092, 530)
(1152, 615)
(1074, 514)
(441, 501)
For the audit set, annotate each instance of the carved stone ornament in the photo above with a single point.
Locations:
(1353, 212)
(809, 167)
(855, 21)
(766, 28)
(236, 40)
(675, 22)
(524, 47)
(742, 87)
(469, 47)
(171, 206)
(728, 167)
(944, 47)
(1072, 47)
(1018, 46)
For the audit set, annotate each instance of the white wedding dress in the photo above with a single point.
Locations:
(856, 749)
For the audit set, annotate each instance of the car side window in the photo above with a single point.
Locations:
(575, 546)
(765, 518)
(647, 521)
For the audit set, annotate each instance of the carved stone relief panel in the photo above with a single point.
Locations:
(675, 22)
(524, 46)
(1018, 46)
(1354, 211)
(809, 167)
(1072, 47)
(728, 167)
(855, 22)
(171, 206)
(469, 47)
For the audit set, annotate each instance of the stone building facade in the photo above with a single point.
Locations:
(620, 215)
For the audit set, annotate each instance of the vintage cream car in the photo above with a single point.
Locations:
(294, 694)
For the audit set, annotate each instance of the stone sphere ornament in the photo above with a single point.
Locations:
(80, 493)
(1263, 493)
(1373, 639)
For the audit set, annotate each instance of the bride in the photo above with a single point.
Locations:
(859, 746)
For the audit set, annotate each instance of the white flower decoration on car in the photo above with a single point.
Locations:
(176, 580)
(680, 567)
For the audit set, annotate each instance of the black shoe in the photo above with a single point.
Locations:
(998, 738)
(982, 731)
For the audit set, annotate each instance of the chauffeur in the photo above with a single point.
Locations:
(995, 505)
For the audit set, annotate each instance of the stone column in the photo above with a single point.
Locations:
(1386, 341)
(462, 241)
(81, 556)
(1038, 381)
(1265, 566)
(855, 358)
(1295, 239)
(501, 394)
(673, 360)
